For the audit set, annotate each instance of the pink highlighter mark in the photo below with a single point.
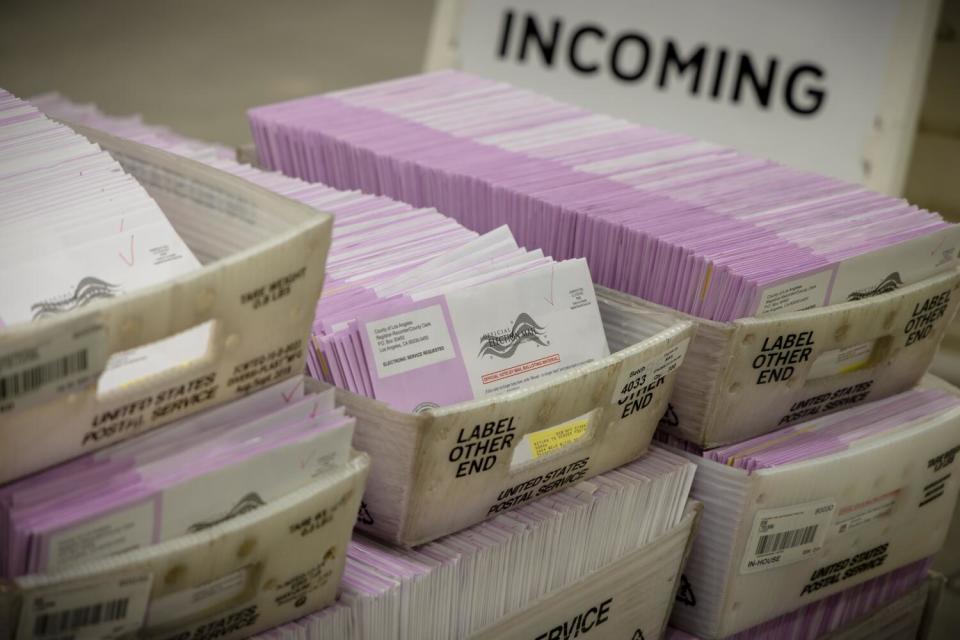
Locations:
(288, 396)
(129, 261)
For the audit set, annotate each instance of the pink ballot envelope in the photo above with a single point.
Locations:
(683, 223)
(202, 470)
(483, 340)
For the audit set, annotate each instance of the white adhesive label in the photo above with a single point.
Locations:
(190, 602)
(842, 360)
(858, 514)
(800, 294)
(786, 535)
(636, 386)
(32, 373)
(102, 609)
(108, 535)
(410, 341)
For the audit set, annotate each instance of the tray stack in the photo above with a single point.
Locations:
(165, 466)
(818, 307)
(579, 481)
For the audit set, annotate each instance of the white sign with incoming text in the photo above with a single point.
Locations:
(798, 82)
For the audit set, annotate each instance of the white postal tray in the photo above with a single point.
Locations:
(426, 483)
(253, 572)
(260, 295)
(755, 375)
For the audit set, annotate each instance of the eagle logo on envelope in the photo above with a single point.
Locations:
(247, 503)
(891, 283)
(88, 290)
(503, 344)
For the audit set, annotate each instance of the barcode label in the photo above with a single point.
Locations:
(786, 540)
(56, 623)
(108, 608)
(23, 382)
(785, 535)
(35, 370)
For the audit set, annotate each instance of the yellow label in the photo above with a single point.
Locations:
(843, 360)
(548, 440)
